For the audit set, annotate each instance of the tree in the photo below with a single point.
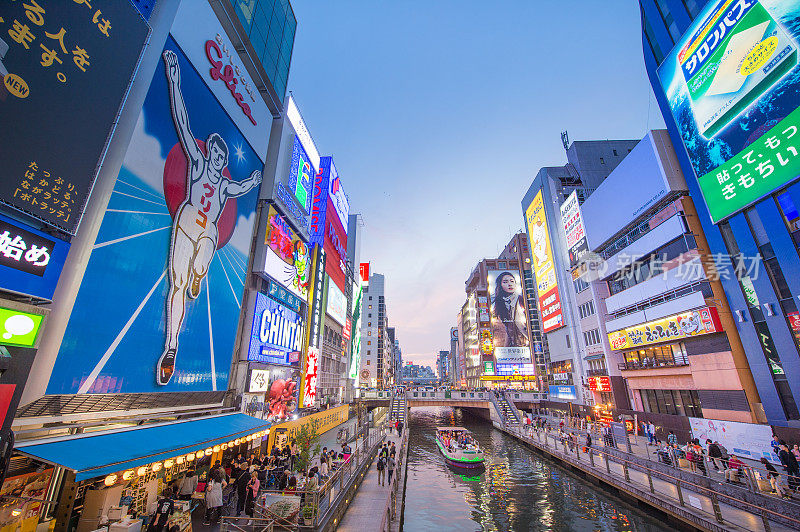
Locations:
(306, 439)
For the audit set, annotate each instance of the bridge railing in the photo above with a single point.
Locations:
(452, 395)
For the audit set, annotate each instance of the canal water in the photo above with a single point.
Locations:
(517, 490)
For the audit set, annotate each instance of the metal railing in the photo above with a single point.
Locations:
(308, 509)
(391, 511)
(719, 501)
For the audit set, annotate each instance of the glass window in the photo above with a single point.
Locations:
(692, 8)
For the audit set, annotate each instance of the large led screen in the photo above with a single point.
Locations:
(509, 319)
(543, 265)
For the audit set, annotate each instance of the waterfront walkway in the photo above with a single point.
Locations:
(702, 501)
(364, 513)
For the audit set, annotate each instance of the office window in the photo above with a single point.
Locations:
(658, 53)
(692, 8)
(615, 152)
(668, 19)
(567, 337)
(580, 285)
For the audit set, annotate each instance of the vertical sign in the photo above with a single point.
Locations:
(314, 327)
(543, 266)
(574, 230)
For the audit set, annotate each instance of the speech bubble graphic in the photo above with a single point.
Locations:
(17, 325)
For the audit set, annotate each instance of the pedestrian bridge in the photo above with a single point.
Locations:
(456, 398)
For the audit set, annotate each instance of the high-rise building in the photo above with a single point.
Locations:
(588, 163)
(659, 334)
(377, 354)
(442, 365)
(747, 197)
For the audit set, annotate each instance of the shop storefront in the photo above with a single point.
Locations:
(114, 478)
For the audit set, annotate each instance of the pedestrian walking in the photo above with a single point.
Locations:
(391, 425)
(390, 464)
(775, 479)
(381, 467)
(214, 497)
(790, 465)
(242, 479)
(400, 428)
(164, 509)
(252, 493)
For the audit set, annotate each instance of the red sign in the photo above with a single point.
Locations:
(336, 247)
(347, 330)
(550, 310)
(310, 384)
(794, 320)
(599, 384)
(223, 72)
(363, 269)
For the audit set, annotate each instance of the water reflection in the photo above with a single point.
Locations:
(517, 490)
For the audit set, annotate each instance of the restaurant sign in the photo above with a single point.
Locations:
(684, 325)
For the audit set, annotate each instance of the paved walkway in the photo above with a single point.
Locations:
(372, 499)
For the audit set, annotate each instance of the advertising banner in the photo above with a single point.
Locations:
(336, 306)
(355, 341)
(26, 495)
(543, 266)
(509, 318)
(745, 440)
(573, 229)
(282, 394)
(599, 384)
(19, 328)
(686, 324)
(282, 434)
(30, 260)
(277, 333)
(514, 369)
(280, 294)
(732, 83)
(566, 393)
(315, 317)
(310, 377)
(53, 57)
(287, 258)
(259, 381)
(327, 185)
(161, 296)
(336, 249)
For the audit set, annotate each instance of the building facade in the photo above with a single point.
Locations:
(666, 332)
(753, 228)
(377, 351)
(588, 163)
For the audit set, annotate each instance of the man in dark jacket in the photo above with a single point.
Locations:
(242, 479)
(714, 453)
(789, 465)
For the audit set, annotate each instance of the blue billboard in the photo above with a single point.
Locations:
(277, 334)
(30, 261)
(158, 307)
(562, 392)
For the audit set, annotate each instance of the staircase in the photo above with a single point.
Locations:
(398, 408)
(506, 410)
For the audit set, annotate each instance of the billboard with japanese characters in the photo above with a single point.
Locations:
(733, 86)
(543, 267)
(53, 57)
(509, 335)
(30, 260)
(159, 303)
(287, 259)
(573, 229)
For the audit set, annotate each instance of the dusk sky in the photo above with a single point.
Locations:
(438, 115)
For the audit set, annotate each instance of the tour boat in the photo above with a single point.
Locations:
(459, 447)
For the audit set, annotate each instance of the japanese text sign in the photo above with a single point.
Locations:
(731, 83)
(543, 267)
(54, 57)
(684, 325)
(30, 261)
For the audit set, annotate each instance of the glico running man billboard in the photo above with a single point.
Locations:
(733, 85)
(543, 267)
(509, 319)
(160, 299)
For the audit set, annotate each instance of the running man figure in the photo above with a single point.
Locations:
(194, 229)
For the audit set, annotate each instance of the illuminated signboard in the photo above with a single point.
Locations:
(318, 294)
(543, 266)
(562, 392)
(574, 230)
(53, 58)
(299, 126)
(310, 379)
(509, 318)
(287, 258)
(336, 193)
(336, 306)
(515, 369)
(259, 381)
(280, 294)
(683, 325)
(19, 328)
(355, 341)
(731, 83)
(30, 260)
(300, 174)
(336, 249)
(599, 384)
(363, 270)
(277, 333)
(488, 367)
(347, 330)
(508, 378)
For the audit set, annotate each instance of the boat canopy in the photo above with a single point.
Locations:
(454, 429)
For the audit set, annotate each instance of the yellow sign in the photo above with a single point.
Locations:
(691, 323)
(543, 267)
(322, 421)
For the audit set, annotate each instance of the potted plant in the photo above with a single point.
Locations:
(308, 512)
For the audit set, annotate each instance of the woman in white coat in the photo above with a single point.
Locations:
(214, 498)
